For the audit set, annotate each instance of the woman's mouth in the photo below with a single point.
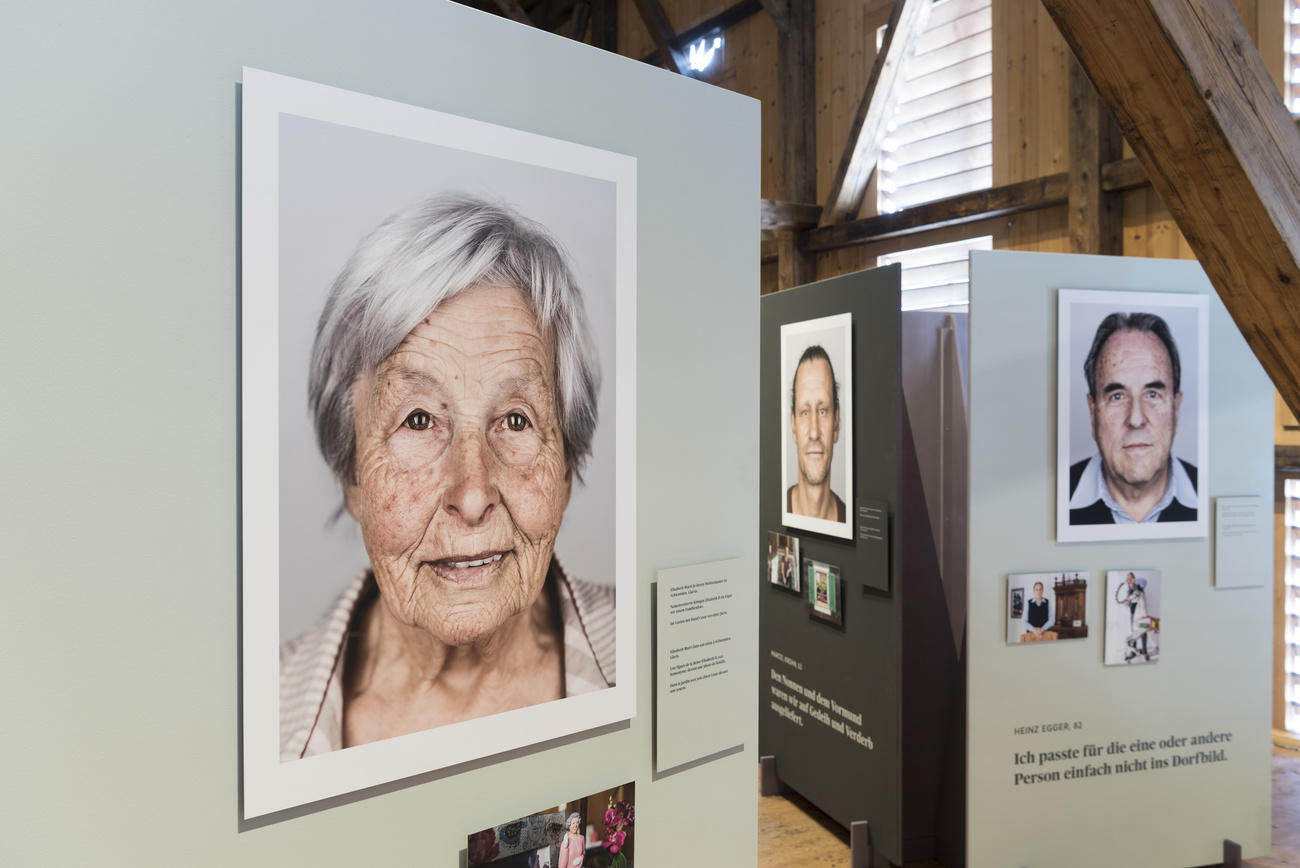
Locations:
(468, 569)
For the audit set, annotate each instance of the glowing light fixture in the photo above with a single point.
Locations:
(700, 54)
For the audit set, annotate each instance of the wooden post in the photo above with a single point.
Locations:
(578, 20)
(1194, 99)
(604, 25)
(1096, 217)
(796, 110)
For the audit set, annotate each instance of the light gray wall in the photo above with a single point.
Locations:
(119, 239)
(1215, 645)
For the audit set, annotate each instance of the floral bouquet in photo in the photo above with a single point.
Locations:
(618, 825)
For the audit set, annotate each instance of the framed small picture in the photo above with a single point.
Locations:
(817, 425)
(1132, 617)
(592, 830)
(782, 564)
(825, 591)
(1045, 607)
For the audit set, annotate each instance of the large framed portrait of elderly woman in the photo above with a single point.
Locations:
(438, 402)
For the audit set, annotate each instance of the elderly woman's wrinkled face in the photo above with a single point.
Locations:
(461, 481)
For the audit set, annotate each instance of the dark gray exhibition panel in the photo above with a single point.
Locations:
(865, 718)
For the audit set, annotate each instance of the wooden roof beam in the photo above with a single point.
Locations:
(777, 215)
(661, 31)
(778, 10)
(512, 10)
(578, 20)
(797, 121)
(862, 150)
(1031, 195)
(729, 17)
(604, 25)
(1195, 101)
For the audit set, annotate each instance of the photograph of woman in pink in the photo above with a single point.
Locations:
(574, 848)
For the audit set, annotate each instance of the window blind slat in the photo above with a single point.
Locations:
(929, 299)
(940, 58)
(944, 122)
(940, 274)
(944, 143)
(941, 166)
(945, 100)
(950, 76)
(951, 185)
(949, 32)
(944, 11)
(955, 251)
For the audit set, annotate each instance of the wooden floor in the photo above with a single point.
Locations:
(793, 832)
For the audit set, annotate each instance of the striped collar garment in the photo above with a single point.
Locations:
(311, 666)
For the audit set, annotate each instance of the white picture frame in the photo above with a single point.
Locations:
(835, 335)
(1079, 313)
(386, 131)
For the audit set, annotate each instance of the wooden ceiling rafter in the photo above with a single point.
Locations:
(578, 19)
(661, 31)
(728, 17)
(604, 25)
(1194, 99)
(512, 10)
(777, 10)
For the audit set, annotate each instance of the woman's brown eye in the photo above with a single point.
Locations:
(419, 421)
(516, 421)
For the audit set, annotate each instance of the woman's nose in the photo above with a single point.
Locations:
(470, 492)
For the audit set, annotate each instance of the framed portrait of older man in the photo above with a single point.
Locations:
(1132, 415)
(817, 425)
(438, 420)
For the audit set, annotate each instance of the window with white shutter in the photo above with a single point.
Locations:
(939, 143)
(1293, 57)
(938, 276)
(940, 140)
(1291, 605)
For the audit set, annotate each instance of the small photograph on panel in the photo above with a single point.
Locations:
(1045, 607)
(825, 591)
(1132, 617)
(595, 830)
(1132, 415)
(783, 561)
(817, 425)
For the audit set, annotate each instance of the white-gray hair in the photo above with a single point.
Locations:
(414, 261)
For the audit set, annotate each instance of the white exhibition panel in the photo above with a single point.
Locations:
(1215, 643)
(121, 173)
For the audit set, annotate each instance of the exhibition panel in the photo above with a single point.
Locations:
(1113, 405)
(862, 610)
(170, 614)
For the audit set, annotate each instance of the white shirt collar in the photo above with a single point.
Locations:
(1092, 487)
